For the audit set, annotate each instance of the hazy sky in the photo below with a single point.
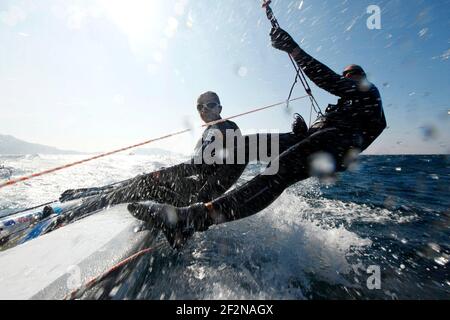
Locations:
(99, 74)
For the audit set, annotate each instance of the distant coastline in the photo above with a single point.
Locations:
(12, 146)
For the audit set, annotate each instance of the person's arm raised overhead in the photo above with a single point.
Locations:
(318, 72)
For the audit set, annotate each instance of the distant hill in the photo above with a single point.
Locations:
(12, 145)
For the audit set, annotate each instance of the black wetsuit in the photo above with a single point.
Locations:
(180, 185)
(354, 123)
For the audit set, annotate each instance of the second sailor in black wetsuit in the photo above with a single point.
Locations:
(351, 125)
(180, 185)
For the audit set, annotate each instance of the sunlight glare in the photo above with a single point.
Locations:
(140, 20)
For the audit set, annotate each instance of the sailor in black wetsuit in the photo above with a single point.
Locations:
(351, 125)
(180, 185)
(198, 180)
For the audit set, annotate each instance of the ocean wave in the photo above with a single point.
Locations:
(307, 244)
(273, 255)
(6, 172)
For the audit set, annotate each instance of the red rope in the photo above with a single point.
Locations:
(38, 174)
(88, 285)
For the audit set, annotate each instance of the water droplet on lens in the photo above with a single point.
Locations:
(429, 132)
(242, 72)
(322, 165)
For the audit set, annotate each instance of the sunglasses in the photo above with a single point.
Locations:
(210, 105)
(350, 73)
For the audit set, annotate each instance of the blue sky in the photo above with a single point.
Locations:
(99, 74)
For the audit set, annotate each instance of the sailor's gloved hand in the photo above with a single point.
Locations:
(177, 224)
(282, 40)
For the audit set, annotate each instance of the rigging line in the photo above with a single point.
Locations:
(45, 172)
(54, 201)
(23, 210)
(290, 92)
(300, 74)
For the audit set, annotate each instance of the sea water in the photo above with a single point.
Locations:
(379, 231)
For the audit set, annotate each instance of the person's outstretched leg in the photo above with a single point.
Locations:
(164, 176)
(140, 189)
(246, 200)
(74, 194)
(178, 192)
